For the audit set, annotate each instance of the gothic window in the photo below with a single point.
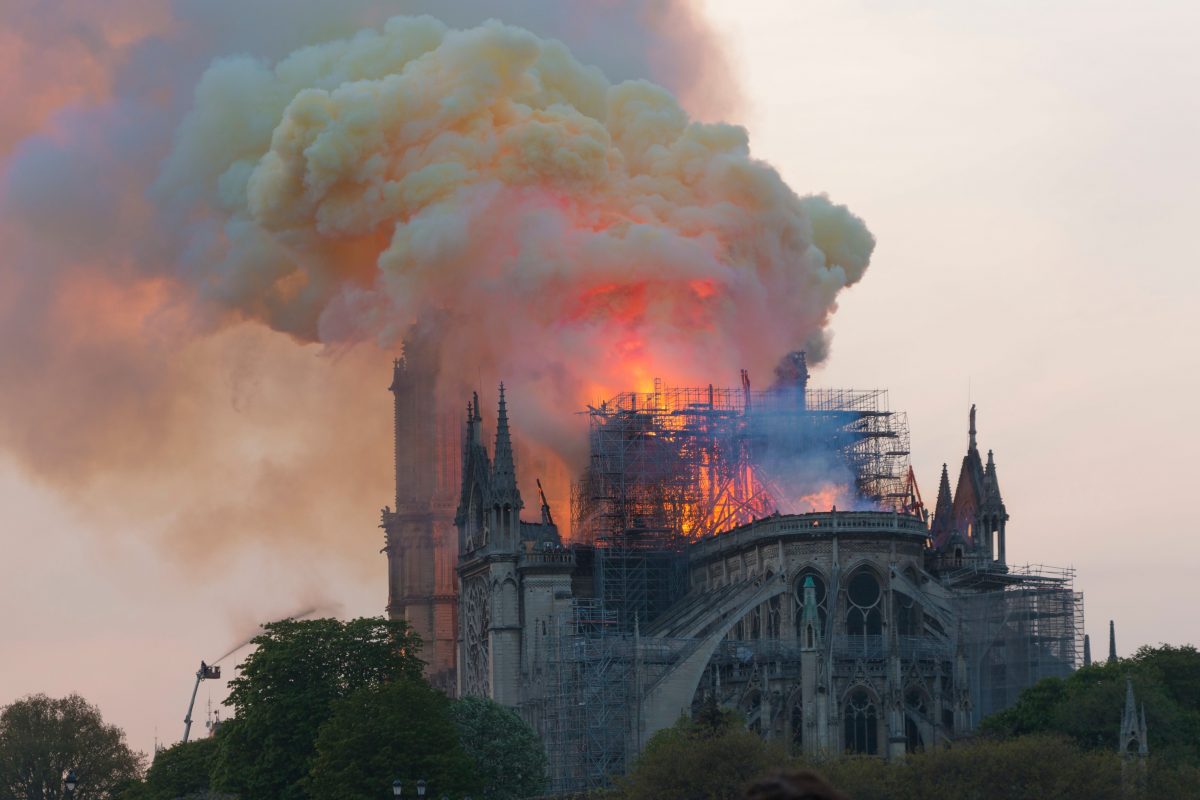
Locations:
(908, 615)
(773, 626)
(912, 735)
(476, 610)
(915, 709)
(862, 724)
(476, 517)
(818, 590)
(863, 617)
(797, 725)
(751, 708)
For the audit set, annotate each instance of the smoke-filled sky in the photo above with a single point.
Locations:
(213, 232)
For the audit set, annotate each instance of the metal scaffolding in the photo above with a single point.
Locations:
(1018, 627)
(685, 463)
(639, 579)
(589, 716)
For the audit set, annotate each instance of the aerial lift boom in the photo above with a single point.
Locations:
(205, 672)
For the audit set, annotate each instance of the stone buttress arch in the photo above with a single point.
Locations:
(671, 694)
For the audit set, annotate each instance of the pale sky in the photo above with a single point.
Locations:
(1028, 170)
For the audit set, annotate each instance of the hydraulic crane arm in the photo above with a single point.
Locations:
(204, 673)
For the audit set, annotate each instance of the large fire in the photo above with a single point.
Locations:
(701, 461)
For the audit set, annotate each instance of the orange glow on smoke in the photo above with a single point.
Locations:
(94, 309)
(826, 498)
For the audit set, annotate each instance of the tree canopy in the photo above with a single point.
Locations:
(711, 757)
(398, 731)
(41, 738)
(288, 687)
(1087, 705)
(507, 754)
(1032, 766)
(182, 770)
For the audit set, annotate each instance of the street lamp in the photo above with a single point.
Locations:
(71, 782)
(397, 787)
(420, 788)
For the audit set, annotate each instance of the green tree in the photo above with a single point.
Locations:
(1177, 669)
(712, 757)
(862, 777)
(1087, 705)
(401, 730)
(507, 754)
(183, 769)
(41, 738)
(287, 687)
(1032, 766)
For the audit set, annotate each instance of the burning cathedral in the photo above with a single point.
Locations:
(768, 550)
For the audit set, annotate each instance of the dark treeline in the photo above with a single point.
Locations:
(322, 709)
(331, 710)
(1059, 741)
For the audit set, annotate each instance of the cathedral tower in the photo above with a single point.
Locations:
(420, 538)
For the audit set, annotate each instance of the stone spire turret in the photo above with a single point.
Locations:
(1133, 741)
(504, 471)
(1133, 725)
(991, 484)
(942, 510)
(1112, 642)
(1087, 650)
(971, 448)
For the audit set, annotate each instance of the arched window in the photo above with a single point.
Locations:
(773, 627)
(819, 591)
(863, 617)
(476, 515)
(916, 710)
(797, 725)
(751, 708)
(862, 724)
(909, 618)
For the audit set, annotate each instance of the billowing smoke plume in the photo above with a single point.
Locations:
(584, 236)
